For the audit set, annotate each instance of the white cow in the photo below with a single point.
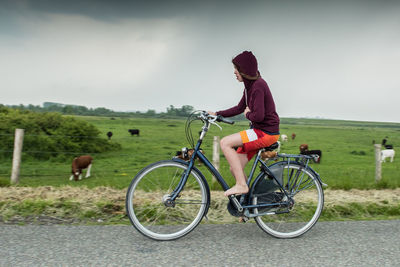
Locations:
(284, 138)
(387, 153)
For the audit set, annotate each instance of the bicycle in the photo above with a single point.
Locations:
(168, 199)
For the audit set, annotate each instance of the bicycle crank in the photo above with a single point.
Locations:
(232, 207)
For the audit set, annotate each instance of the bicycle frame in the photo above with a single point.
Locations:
(220, 179)
(239, 204)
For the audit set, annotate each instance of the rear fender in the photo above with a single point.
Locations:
(298, 164)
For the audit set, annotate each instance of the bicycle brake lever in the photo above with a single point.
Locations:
(213, 122)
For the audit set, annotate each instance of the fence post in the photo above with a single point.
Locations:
(215, 157)
(378, 163)
(16, 163)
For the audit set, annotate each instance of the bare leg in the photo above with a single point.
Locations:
(237, 163)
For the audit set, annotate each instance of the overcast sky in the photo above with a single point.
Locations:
(332, 59)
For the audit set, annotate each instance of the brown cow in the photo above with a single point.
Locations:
(78, 164)
(293, 136)
(186, 154)
(303, 148)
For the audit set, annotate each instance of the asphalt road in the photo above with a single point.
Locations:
(371, 243)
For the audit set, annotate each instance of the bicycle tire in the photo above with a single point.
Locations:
(146, 195)
(299, 217)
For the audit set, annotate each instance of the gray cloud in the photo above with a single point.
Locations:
(330, 59)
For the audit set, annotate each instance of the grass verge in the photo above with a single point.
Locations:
(70, 205)
(57, 212)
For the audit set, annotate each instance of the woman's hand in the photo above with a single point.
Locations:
(212, 113)
(247, 110)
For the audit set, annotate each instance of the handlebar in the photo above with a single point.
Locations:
(213, 118)
(222, 119)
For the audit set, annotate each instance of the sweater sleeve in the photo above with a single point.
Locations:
(257, 112)
(233, 111)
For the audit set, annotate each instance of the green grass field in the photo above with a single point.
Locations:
(347, 159)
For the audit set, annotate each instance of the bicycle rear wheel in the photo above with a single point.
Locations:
(147, 201)
(293, 220)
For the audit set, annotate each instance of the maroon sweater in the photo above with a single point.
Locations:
(263, 115)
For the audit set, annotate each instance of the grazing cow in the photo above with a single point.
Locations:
(186, 154)
(384, 140)
(304, 151)
(284, 138)
(303, 147)
(134, 131)
(387, 146)
(293, 136)
(387, 153)
(78, 164)
(269, 154)
(109, 134)
(279, 147)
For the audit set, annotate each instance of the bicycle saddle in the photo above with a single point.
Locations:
(272, 147)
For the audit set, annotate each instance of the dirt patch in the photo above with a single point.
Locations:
(79, 194)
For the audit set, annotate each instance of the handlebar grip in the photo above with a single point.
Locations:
(222, 119)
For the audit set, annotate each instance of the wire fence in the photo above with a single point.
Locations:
(126, 162)
(70, 136)
(27, 136)
(59, 167)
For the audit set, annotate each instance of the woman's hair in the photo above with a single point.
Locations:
(244, 75)
(236, 66)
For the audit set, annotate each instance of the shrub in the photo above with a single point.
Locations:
(49, 135)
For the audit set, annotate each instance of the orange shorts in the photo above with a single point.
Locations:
(253, 140)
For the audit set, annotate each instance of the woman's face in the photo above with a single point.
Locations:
(238, 76)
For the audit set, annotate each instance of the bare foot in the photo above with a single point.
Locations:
(237, 190)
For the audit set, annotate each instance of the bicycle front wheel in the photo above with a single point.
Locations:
(148, 207)
(307, 200)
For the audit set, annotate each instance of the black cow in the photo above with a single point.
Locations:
(134, 131)
(304, 151)
(387, 146)
(109, 134)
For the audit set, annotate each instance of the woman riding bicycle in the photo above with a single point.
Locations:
(258, 106)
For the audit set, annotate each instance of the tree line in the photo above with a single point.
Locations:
(172, 111)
